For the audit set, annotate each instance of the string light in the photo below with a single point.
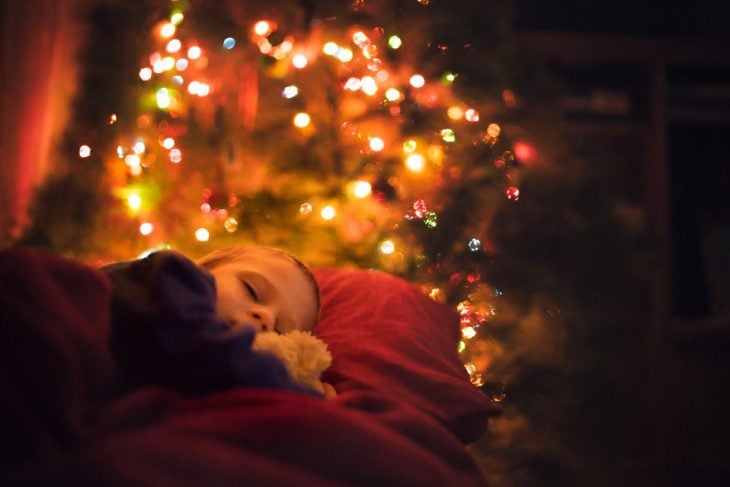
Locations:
(146, 228)
(202, 234)
(394, 42)
(84, 151)
(302, 120)
(387, 247)
(417, 81)
(415, 162)
(328, 213)
(377, 144)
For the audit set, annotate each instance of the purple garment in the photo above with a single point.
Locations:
(165, 331)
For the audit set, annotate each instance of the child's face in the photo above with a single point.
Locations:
(267, 291)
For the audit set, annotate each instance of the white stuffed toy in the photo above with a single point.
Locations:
(304, 356)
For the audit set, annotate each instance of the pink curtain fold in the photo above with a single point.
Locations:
(37, 78)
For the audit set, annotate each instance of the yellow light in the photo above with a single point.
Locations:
(173, 46)
(448, 135)
(353, 84)
(138, 147)
(134, 201)
(168, 143)
(359, 38)
(455, 113)
(392, 94)
(167, 30)
(434, 293)
(328, 213)
(468, 332)
(146, 228)
(409, 145)
(176, 18)
(394, 42)
(493, 130)
(132, 160)
(299, 61)
(417, 81)
(163, 98)
(387, 247)
(194, 52)
(230, 224)
(84, 151)
(415, 162)
(344, 54)
(369, 86)
(145, 74)
(361, 189)
(462, 346)
(330, 48)
(290, 91)
(203, 89)
(262, 28)
(302, 120)
(377, 144)
(168, 63)
(202, 234)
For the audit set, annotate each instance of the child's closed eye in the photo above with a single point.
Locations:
(250, 289)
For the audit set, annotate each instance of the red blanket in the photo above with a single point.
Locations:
(60, 426)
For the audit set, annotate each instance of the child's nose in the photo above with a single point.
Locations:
(262, 317)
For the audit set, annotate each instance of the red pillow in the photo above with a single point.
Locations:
(386, 335)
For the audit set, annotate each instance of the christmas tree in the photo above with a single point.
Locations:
(383, 135)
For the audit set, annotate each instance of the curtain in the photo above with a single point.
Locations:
(37, 72)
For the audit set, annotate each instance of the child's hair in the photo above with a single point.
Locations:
(226, 255)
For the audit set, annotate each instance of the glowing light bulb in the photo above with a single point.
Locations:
(167, 30)
(394, 42)
(353, 84)
(139, 147)
(330, 48)
(471, 115)
(387, 247)
(369, 86)
(455, 113)
(262, 28)
(168, 143)
(181, 64)
(302, 120)
(417, 81)
(173, 46)
(361, 189)
(415, 162)
(194, 52)
(377, 144)
(202, 234)
(359, 38)
(146, 228)
(176, 18)
(145, 74)
(134, 201)
(448, 135)
(132, 160)
(392, 94)
(299, 61)
(344, 54)
(448, 78)
(163, 98)
(468, 332)
(84, 151)
(290, 92)
(493, 130)
(328, 213)
(409, 145)
(175, 156)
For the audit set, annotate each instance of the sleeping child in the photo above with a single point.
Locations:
(206, 326)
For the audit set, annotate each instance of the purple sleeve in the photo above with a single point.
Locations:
(165, 331)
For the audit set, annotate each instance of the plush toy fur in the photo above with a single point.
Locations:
(304, 355)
